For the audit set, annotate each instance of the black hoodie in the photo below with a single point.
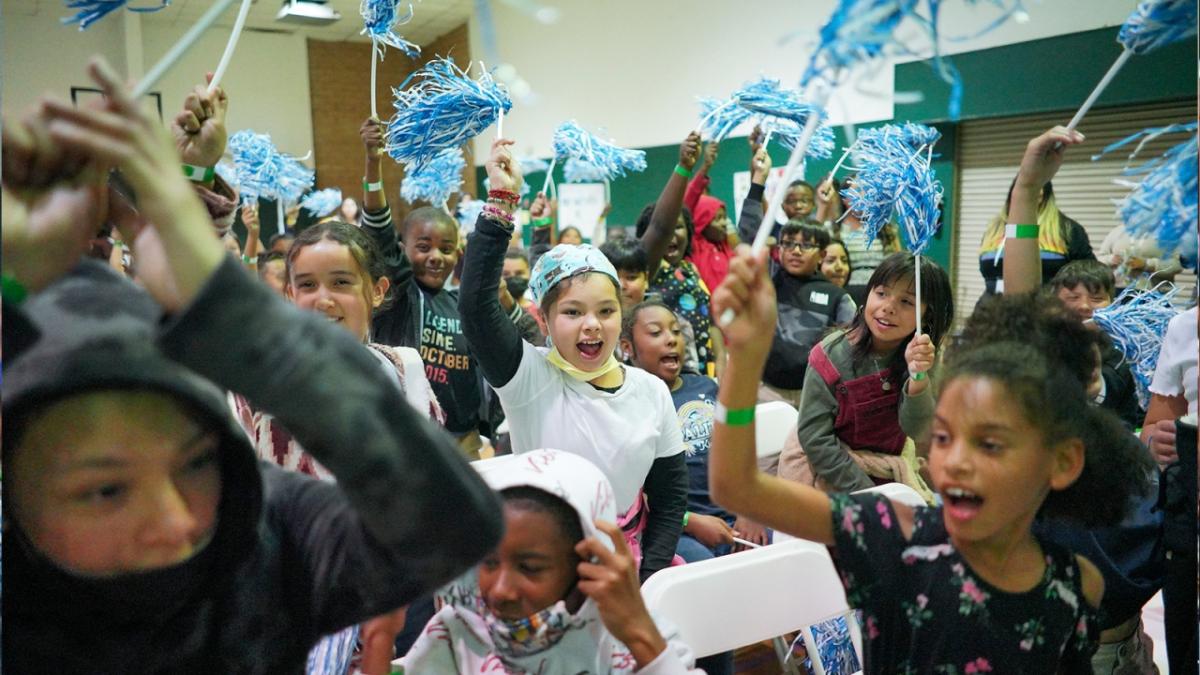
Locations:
(292, 558)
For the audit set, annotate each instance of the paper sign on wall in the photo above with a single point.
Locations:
(581, 205)
(741, 187)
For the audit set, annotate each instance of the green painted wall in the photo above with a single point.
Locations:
(1038, 76)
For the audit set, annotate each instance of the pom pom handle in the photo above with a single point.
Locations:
(180, 48)
(549, 174)
(230, 46)
(1104, 82)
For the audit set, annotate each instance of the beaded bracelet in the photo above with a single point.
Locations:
(506, 196)
(498, 214)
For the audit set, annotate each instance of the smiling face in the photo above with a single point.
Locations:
(657, 343)
(432, 248)
(991, 465)
(531, 569)
(585, 320)
(327, 279)
(633, 287)
(890, 314)
(116, 482)
(1082, 302)
(799, 255)
(677, 247)
(835, 265)
(799, 202)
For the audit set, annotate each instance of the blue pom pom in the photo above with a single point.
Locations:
(321, 203)
(784, 112)
(380, 17)
(228, 173)
(579, 171)
(255, 165)
(438, 108)
(895, 177)
(1163, 204)
(91, 11)
(532, 165)
(437, 180)
(595, 159)
(1137, 321)
(719, 118)
(294, 179)
(468, 212)
(1157, 23)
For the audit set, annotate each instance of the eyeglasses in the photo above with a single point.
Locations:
(789, 244)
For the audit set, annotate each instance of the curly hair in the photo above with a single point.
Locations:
(643, 223)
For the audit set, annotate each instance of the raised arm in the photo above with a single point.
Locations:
(666, 210)
(752, 207)
(733, 476)
(495, 341)
(695, 187)
(377, 216)
(1022, 259)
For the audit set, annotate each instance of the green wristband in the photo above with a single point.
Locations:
(1012, 231)
(685, 517)
(542, 222)
(682, 171)
(199, 174)
(12, 290)
(733, 418)
(917, 377)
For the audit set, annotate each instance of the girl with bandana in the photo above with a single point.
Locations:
(558, 595)
(573, 394)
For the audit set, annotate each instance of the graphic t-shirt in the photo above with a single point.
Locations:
(448, 364)
(694, 402)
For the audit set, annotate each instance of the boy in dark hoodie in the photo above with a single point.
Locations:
(808, 303)
(141, 534)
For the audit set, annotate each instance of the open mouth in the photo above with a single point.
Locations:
(589, 349)
(884, 325)
(962, 504)
(671, 361)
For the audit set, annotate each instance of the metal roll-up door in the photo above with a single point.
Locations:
(990, 152)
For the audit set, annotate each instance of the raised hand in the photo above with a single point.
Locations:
(760, 167)
(1044, 155)
(372, 133)
(540, 207)
(750, 294)
(610, 579)
(504, 173)
(199, 129)
(710, 155)
(689, 151)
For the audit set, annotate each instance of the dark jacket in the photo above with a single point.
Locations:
(291, 558)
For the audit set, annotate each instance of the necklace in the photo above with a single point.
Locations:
(883, 379)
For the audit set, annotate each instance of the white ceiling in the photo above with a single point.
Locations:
(431, 18)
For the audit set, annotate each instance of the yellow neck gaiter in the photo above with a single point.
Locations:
(559, 362)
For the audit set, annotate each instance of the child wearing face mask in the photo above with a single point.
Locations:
(575, 396)
(559, 594)
(140, 528)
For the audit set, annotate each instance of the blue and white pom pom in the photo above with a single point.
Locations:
(597, 159)
(579, 171)
(532, 165)
(1137, 321)
(322, 203)
(1157, 23)
(1163, 204)
(467, 213)
(89, 12)
(440, 107)
(437, 180)
(295, 179)
(895, 177)
(255, 164)
(380, 17)
(785, 105)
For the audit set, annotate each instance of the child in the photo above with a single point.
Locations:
(141, 530)
(967, 587)
(425, 314)
(1085, 286)
(516, 276)
(652, 340)
(576, 397)
(334, 269)
(558, 595)
(665, 230)
(800, 201)
(809, 305)
(629, 259)
(570, 235)
(835, 266)
(866, 394)
(710, 252)
(843, 223)
(272, 270)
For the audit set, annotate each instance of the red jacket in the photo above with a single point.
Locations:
(712, 260)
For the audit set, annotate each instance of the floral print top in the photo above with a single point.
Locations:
(682, 289)
(925, 611)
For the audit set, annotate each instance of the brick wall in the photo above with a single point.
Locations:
(339, 76)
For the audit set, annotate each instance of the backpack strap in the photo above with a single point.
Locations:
(817, 358)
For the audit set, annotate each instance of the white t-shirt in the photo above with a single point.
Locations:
(622, 432)
(1176, 370)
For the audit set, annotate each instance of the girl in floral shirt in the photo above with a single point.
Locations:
(965, 587)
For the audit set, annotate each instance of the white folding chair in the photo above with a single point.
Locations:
(897, 492)
(718, 604)
(773, 421)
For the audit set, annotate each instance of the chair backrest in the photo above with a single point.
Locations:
(745, 597)
(898, 492)
(773, 421)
